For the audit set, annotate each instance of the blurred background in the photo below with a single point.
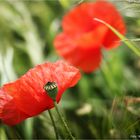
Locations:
(104, 104)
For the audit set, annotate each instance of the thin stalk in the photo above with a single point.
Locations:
(63, 121)
(114, 103)
(54, 126)
(132, 125)
(13, 133)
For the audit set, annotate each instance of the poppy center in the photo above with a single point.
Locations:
(51, 89)
(50, 86)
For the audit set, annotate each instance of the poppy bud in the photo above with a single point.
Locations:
(51, 89)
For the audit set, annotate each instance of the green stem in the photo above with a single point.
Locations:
(13, 133)
(63, 121)
(54, 126)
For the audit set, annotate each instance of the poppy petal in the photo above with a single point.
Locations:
(111, 15)
(4, 99)
(11, 115)
(74, 25)
(28, 95)
(81, 41)
(88, 59)
(92, 40)
(111, 40)
(9, 112)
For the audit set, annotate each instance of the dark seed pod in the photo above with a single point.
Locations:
(51, 89)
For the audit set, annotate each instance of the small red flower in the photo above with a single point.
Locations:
(26, 96)
(82, 38)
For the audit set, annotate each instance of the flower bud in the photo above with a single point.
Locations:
(51, 89)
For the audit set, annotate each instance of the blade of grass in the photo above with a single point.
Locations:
(28, 128)
(33, 41)
(132, 125)
(127, 42)
(3, 135)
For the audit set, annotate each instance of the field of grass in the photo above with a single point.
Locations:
(104, 104)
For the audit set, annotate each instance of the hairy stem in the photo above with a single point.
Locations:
(63, 121)
(54, 126)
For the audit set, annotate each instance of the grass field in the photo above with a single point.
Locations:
(105, 103)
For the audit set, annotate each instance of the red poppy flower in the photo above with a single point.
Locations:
(26, 96)
(82, 38)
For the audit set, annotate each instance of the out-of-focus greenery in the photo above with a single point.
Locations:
(104, 104)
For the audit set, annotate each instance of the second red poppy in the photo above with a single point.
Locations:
(82, 38)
